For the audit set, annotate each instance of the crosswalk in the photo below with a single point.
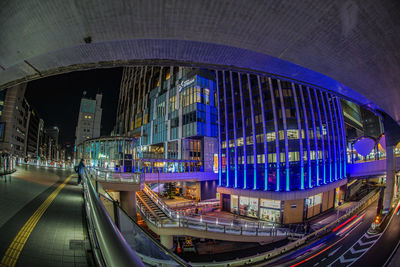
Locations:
(356, 251)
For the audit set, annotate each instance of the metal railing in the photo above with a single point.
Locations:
(208, 223)
(112, 176)
(146, 247)
(110, 249)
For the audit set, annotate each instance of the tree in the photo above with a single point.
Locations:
(170, 190)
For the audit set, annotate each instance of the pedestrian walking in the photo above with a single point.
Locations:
(79, 169)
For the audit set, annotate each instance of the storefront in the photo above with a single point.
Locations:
(264, 209)
(248, 206)
(270, 210)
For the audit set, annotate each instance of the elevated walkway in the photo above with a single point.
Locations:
(165, 177)
(154, 210)
(42, 222)
(370, 168)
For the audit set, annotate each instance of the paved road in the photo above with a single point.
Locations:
(42, 218)
(336, 248)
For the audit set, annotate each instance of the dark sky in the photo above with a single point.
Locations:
(57, 98)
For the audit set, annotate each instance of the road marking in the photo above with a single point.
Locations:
(323, 259)
(333, 252)
(355, 253)
(11, 256)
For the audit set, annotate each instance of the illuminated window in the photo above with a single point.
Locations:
(293, 134)
(249, 140)
(271, 137)
(223, 144)
(260, 158)
(239, 141)
(281, 134)
(231, 143)
(294, 156)
(272, 158)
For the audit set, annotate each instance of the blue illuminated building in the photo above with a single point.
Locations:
(278, 145)
(280, 141)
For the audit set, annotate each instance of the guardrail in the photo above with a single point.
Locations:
(146, 247)
(262, 258)
(112, 176)
(109, 247)
(210, 223)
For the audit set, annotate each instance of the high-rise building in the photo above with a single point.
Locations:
(13, 121)
(172, 112)
(282, 154)
(89, 119)
(32, 139)
(54, 133)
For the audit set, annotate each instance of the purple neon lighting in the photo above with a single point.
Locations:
(322, 135)
(244, 133)
(276, 135)
(315, 135)
(338, 136)
(234, 128)
(265, 134)
(296, 103)
(307, 136)
(327, 135)
(219, 133)
(333, 133)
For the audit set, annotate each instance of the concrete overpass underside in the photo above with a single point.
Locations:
(347, 46)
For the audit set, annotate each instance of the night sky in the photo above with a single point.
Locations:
(57, 98)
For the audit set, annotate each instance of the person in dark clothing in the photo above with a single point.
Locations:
(80, 169)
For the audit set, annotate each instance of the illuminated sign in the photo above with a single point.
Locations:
(215, 163)
(184, 84)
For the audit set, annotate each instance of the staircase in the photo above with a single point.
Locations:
(154, 212)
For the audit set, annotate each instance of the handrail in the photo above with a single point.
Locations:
(147, 206)
(208, 223)
(210, 220)
(105, 233)
(112, 176)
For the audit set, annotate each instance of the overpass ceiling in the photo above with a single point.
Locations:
(351, 47)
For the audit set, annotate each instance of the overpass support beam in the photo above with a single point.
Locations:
(390, 174)
(392, 136)
(128, 203)
(167, 241)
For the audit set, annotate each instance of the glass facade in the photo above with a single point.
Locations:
(171, 111)
(277, 135)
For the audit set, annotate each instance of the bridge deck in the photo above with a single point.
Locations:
(51, 198)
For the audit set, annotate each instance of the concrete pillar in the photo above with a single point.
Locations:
(392, 137)
(390, 173)
(128, 202)
(167, 241)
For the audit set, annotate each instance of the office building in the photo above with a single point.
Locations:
(13, 121)
(89, 119)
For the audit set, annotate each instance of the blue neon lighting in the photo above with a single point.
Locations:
(338, 136)
(287, 179)
(302, 178)
(277, 179)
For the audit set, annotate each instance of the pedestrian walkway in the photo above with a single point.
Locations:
(42, 222)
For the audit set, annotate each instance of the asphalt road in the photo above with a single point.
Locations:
(341, 248)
